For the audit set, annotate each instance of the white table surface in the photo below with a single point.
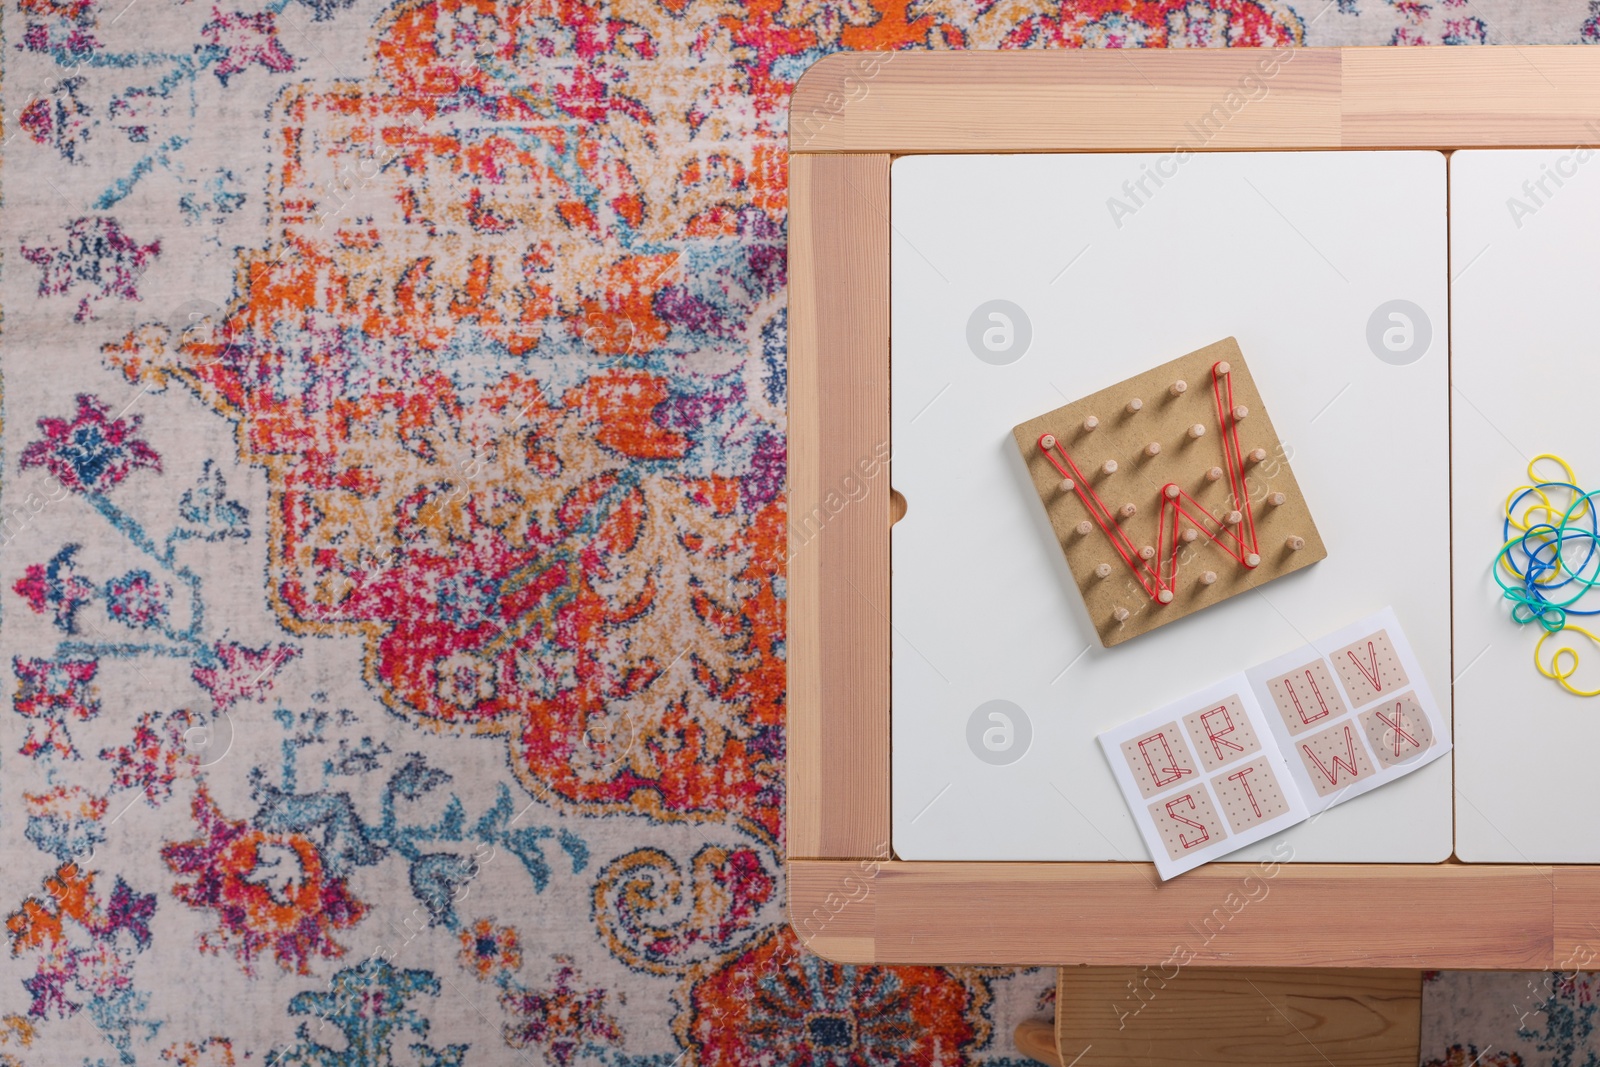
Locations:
(1526, 368)
(1290, 253)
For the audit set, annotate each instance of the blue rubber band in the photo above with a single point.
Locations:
(1548, 569)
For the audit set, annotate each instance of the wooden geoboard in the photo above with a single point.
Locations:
(1486, 892)
(1175, 504)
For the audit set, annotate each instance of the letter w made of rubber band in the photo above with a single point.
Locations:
(1234, 532)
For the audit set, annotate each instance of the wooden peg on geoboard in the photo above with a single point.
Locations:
(1171, 492)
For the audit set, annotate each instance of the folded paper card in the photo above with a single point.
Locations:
(1351, 711)
(1269, 747)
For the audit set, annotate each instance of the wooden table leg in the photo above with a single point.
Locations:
(1232, 1017)
(1036, 1039)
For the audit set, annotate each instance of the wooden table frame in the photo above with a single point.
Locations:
(849, 899)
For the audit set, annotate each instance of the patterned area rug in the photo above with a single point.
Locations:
(394, 532)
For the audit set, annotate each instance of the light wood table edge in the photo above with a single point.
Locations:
(1451, 916)
(1088, 100)
(837, 643)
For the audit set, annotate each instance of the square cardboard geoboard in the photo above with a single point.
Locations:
(1293, 254)
(1178, 426)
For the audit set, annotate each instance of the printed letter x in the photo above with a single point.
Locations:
(1399, 731)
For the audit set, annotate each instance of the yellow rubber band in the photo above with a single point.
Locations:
(1555, 670)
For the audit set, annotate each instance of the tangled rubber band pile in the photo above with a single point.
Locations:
(1549, 563)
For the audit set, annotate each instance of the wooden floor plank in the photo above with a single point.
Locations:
(1235, 1017)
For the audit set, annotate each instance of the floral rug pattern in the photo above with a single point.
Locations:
(393, 512)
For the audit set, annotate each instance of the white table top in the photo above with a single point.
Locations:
(1291, 253)
(1525, 370)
